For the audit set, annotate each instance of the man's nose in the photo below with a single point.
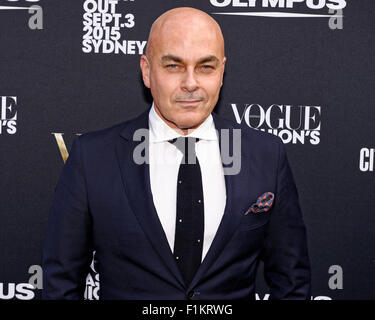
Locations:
(190, 82)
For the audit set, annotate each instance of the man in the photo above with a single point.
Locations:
(175, 228)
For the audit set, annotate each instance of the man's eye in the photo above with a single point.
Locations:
(207, 68)
(172, 66)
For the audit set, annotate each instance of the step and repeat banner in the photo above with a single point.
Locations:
(303, 70)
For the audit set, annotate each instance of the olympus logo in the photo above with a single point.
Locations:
(284, 7)
(267, 297)
(23, 291)
(311, 4)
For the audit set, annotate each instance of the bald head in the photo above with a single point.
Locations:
(183, 22)
(184, 67)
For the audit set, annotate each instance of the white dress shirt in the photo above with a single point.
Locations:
(165, 161)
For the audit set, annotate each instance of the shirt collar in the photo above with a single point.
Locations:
(160, 131)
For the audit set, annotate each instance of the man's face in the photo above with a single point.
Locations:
(184, 72)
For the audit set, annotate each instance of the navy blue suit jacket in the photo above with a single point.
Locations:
(103, 202)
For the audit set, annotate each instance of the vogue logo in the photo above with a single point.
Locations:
(92, 281)
(334, 7)
(8, 115)
(293, 124)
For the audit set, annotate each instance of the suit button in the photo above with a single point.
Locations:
(191, 294)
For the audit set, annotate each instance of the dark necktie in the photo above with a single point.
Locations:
(188, 242)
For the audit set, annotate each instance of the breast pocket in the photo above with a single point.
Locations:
(255, 220)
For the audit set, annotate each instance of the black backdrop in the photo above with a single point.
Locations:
(312, 74)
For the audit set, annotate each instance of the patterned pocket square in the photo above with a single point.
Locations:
(263, 203)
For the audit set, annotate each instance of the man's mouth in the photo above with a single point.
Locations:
(188, 103)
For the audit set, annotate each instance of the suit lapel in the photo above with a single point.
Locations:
(237, 190)
(136, 180)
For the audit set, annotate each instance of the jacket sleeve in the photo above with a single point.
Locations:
(285, 252)
(67, 249)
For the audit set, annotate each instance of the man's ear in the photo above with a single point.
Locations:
(145, 67)
(222, 75)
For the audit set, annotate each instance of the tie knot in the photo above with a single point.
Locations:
(187, 146)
